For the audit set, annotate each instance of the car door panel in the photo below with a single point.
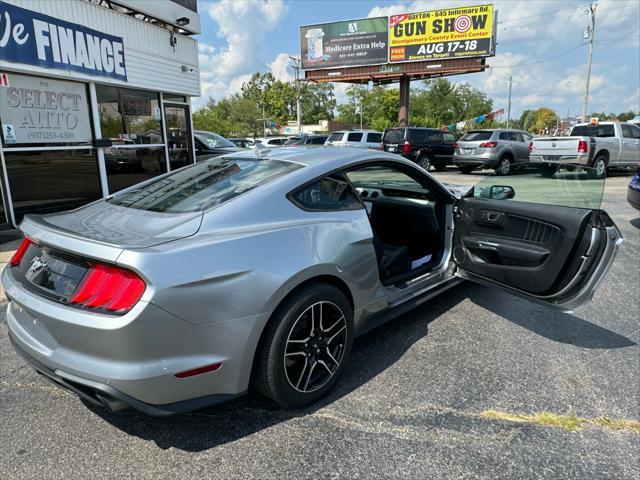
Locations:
(552, 254)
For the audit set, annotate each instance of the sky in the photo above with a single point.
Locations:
(539, 43)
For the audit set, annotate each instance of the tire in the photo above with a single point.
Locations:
(424, 161)
(466, 169)
(599, 168)
(548, 171)
(439, 166)
(504, 166)
(292, 380)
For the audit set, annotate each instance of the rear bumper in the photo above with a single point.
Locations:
(561, 159)
(129, 360)
(485, 160)
(103, 395)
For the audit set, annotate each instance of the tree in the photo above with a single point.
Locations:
(441, 103)
(349, 112)
(318, 102)
(529, 120)
(545, 119)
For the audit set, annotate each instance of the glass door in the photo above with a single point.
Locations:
(179, 135)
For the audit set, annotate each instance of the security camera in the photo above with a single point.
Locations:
(182, 22)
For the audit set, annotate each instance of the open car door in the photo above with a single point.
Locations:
(544, 239)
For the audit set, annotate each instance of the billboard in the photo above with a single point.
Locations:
(345, 44)
(441, 34)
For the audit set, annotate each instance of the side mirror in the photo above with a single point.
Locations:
(501, 192)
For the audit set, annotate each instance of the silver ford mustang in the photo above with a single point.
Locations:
(261, 267)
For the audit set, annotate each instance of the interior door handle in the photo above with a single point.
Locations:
(487, 245)
(491, 217)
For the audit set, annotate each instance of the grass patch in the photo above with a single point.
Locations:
(569, 422)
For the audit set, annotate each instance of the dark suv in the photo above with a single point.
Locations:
(425, 146)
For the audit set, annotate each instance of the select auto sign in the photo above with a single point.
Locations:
(35, 39)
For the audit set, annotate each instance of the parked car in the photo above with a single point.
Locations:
(242, 142)
(308, 141)
(601, 146)
(261, 267)
(272, 141)
(424, 146)
(633, 192)
(209, 144)
(355, 138)
(498, 148)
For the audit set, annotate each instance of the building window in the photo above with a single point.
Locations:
(50, 181)
(131, 119)
(128, 116)
(128, 166)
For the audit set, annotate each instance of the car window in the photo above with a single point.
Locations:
(318, 140)
(504, 136)
(527, 137)
(393, 135)
(628, 131)
(434, 136)
(517, 137)
(593, 131)
(332, 193)
(635, 131)
(335, 137)
(449, 138)
(417, 135)
(203, 185)
(354, 137)
(475, 135)
(213, 140)
(374, 137)
(568, 188)
(384, 176)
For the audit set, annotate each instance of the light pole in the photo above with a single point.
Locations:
(590, 33)
(509, 104)
(296, 66)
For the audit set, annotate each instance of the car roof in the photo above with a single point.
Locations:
(326, 157)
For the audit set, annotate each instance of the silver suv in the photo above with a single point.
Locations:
(498, 149)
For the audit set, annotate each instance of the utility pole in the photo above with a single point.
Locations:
(360, 108)
(509, 104)
(590, 33)
(296, 66)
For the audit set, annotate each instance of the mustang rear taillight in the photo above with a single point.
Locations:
(22, 249)
(489, 145)
(582, 146)
(111, 288)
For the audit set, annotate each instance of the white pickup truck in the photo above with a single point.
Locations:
(601, 146)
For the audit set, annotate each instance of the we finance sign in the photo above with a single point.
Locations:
(35, 39)
(441, 34)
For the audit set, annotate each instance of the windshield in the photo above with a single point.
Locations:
(213, 140)
(203, 185)
(593, 131)
(477, 135)
(335, 137)
(393, 135)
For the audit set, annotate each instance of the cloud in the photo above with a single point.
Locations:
(281, 68)
(243, 28)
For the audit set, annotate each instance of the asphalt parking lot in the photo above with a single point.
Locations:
(448, 390)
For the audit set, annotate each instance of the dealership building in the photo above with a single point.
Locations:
(94, 97)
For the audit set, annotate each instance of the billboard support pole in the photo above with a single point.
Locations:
(405, 88)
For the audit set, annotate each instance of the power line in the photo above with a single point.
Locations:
(618, 39)
(566, 52)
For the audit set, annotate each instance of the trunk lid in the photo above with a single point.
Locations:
(102, 230)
